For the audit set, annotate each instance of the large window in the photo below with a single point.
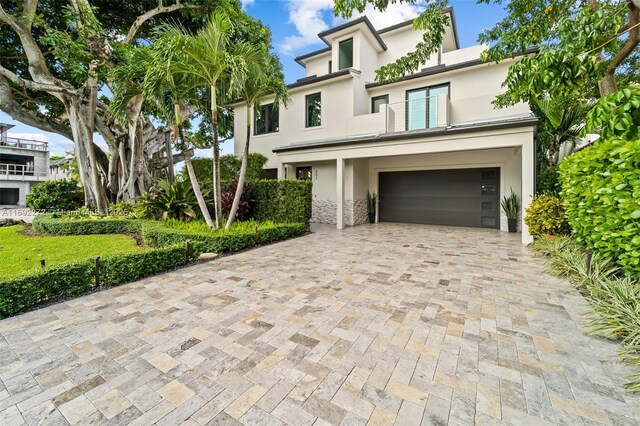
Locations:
(378, 102)
(345, 54)
(313, 110)
(266, 119)
(422, 107)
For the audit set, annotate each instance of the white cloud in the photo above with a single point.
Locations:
(308, 18)
(246, 3)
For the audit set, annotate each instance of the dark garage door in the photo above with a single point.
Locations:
(9, 196)
(461, 197)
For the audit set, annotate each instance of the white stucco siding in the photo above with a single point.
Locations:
(318, 65)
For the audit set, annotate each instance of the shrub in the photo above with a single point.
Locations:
(282, 201)
(229, 167)
(123, 268)
(56, 195)
(169, 201)
(614, 300)
(548, 181)
(546, 216)
(25, 291)
(601, 191)
(48, 224)
(244, 207)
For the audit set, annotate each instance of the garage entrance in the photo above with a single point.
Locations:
(457, 197)
(9, 196)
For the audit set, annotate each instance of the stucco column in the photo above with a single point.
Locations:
(340, 193)
(528, 185)
(281, 168)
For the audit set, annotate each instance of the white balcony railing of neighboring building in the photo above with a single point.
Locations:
(24, 144)
(7, 170)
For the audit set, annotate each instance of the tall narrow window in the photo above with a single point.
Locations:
(330, 66)
(266, 119)
(378, 102)
(313, 110)
(345, 54)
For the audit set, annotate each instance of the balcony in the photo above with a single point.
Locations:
(418, 114)
(24, 144)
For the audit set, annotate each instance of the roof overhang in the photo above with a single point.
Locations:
(509, 123)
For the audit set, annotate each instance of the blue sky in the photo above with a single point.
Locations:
(295, 24)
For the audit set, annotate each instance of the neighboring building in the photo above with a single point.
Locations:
(431, 144)
(23, 165)
(57, 169)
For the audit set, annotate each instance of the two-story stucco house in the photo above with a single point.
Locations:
(431, 144)
(23, 165)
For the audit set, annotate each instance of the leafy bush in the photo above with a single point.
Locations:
(244, 207)
(68, 225)
(25, 291)
(229, 167)
(548, 181)
(546, 216)
(123, 268)
(56, 195)
(601, 191)
(169, 201)
(615, 300)
(282, 201)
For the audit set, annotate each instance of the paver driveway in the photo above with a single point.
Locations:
(387, 323)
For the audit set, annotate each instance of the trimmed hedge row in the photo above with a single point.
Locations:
(47, 224)
(20, 293)
(157, 235)
(282, 201)
(601, 192)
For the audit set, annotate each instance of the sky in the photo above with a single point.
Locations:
(295, 25)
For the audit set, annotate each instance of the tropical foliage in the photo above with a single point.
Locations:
(56, 195)
(229, 167)
(546, 216)
(510, 205)
(169, 201)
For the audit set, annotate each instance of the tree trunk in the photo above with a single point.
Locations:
(194, 181)
(608, 84)
(217, 192)
(241, 178)
(81, 123)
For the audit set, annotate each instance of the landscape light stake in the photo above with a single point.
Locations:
(96, 270)
(42, 263)
(187, 249)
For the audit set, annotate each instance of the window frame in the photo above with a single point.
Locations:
(268, 110)
(307, 125)
(340, 43)
(428, 89)
(375, 98)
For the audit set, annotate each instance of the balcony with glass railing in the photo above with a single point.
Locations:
(418, 113)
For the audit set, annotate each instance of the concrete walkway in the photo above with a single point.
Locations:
(380, 324)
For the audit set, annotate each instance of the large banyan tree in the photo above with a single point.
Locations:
(56, 74)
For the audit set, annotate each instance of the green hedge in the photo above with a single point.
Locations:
(123, 268)
(23, 292)
(47, 224)
(601, 191)
(159, 235)
(282, 201)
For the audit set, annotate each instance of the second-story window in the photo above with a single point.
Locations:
(345, 54)
(266, 119)
(313, 110)
(330, 66)
(377, 103)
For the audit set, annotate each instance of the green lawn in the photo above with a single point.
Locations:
(20, 253)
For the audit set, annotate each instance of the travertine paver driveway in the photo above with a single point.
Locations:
(387, 323)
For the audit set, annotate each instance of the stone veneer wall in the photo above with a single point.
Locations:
(324, 211)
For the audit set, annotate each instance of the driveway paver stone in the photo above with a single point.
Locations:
(375, 324)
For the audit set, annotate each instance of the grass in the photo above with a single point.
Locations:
(21, 253)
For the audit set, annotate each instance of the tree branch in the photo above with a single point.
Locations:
(29, 11)
(32, 85)
(9, 105)
(632, 40)
(160, 9)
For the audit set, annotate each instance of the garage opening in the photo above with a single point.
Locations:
(9, 196)
(455, 197)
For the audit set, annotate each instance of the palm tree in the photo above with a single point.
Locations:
(204, 58)
(262, 77)
(562, 121)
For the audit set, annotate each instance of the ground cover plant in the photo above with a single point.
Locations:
(22, 253)
(614, 298)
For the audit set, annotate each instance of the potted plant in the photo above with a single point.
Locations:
(372, 203)
(510, 205)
